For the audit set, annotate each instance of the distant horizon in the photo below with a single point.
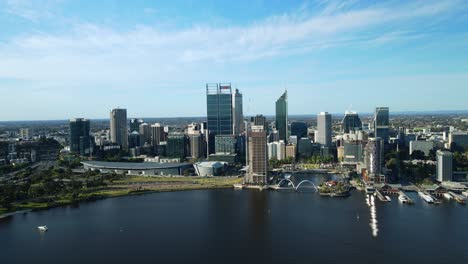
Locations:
(426, 112)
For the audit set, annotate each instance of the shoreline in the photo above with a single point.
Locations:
(97, 197)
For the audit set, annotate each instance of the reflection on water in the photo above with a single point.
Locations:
(373, 215)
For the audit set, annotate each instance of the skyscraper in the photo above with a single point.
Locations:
(258, 156)
(135, 124)
(351, 121)
(260, 120)
(118, 127)
(374, 160)
(197, 147)
(157, 134)
(382, 123)
(145, 132)
(238, 122)
(80, 140)
(299, 129)
(176, 145)
(282, 116)
(324, 128)
(444, 166)
(219, 111)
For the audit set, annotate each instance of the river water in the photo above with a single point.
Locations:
(239, 226)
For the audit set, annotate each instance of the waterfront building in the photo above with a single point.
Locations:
(282, 116)
(210, 168)
(145, 132)
(351, 122)
(299, 129)
(80, 139)
(382, 123)
(118, 127)
(374, 161)
(324, 129)
(444, 166)
(135, 124)
(421, 145)
(176, 145)
(141, 169)
(258, 156)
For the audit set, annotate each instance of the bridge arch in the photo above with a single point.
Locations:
(306, 181)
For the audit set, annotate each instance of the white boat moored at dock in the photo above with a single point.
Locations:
(426, 197)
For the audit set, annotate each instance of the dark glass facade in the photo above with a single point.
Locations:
(219, 111)
(382, 123)
(299, 129)
(351, 121)
(177, 144)
(282, 117)
(80, 140)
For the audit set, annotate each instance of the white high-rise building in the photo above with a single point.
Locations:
(324, 129)
(444, 166)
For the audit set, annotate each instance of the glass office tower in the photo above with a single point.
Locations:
(382, 123)
(219, 111)
(282, 117)
(351, 121)
(80, 140)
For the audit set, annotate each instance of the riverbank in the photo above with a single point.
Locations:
(134, 185)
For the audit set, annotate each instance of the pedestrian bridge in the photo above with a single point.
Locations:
(303, 184)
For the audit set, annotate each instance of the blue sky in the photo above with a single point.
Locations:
(63, 58)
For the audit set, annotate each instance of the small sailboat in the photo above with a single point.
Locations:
(42, 228)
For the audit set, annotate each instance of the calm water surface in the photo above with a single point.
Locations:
(229, 226)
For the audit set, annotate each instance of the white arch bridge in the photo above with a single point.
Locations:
(310, 185)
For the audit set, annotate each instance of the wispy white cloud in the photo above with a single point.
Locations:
(93, 52)
(32, 10)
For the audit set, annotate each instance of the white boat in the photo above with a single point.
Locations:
(388, 198)
(238, 186)
(42, 228)
(426, 197)
(447, 196)
(402, 199)
(465, 193)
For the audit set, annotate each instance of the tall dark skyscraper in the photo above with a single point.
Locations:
(220, 108)
(80, 140)
(299, 129)
(351, 121)
(382, 123)
(282, 116)
(118, 127)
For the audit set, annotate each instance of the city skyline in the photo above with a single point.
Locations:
(343, 55)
